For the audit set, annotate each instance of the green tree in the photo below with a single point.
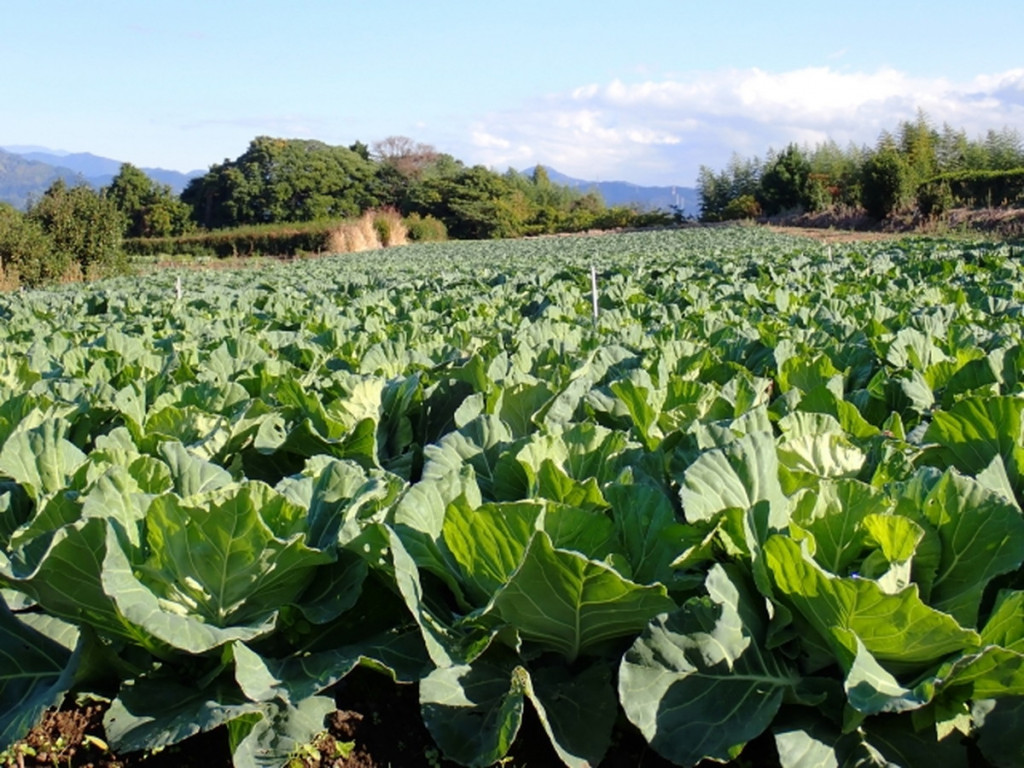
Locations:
(951, 149)
(84, 225)
(282, 180)
(784, 182)
(1003, 150)
(835, 175)
(886, 184)
(917, 143)
(715, 192)
(149, 209)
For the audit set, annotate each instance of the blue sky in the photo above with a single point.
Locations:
(645, 91)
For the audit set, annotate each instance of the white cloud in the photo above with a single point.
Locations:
(661, 131)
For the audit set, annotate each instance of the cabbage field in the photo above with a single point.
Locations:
(771, 490)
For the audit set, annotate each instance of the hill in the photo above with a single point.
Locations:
(26, 171)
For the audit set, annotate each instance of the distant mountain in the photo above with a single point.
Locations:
(16, 186)
(22, 179)
(625, 193)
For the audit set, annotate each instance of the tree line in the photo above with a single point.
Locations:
(917, 167)
(289, 181)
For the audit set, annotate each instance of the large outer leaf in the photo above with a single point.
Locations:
(40, 459)
(577, 710)
(647, 528)
(191, 474)
(440, 640)
(697, 683)
(35, 674)
(488, 542)
(474, 712)
(982, 536)
(569, 603)
(897, 628)
(282, 729)
(1005, 625)
(834, 515)
(737, 476)
(166, 621)
(66, 580)
(157, 712)
(809, 741)
(976, 430)
(1001, 724)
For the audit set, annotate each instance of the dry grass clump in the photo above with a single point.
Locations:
(390, 227)
(8, 278)
(372, 230)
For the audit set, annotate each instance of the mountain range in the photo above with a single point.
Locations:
(27, 171)
(686, 199)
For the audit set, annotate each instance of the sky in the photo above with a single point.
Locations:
(646, 91)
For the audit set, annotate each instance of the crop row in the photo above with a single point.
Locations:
(771, 487)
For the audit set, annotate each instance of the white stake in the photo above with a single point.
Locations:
(177, 286)
(593, 289)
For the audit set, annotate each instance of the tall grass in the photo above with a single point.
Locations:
(372, 230)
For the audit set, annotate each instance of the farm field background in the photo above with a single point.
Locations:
(772, 492)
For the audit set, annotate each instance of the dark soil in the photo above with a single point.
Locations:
(377, 725)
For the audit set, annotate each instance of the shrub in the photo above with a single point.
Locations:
(425, 229)
(935, 199)
(27, 253)
(977, 188)
(742, 207)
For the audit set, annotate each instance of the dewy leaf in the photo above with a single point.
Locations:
(474, 712)
(895, 628)
(698, 683)
(568, 603)
(35, 674)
